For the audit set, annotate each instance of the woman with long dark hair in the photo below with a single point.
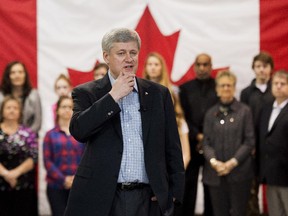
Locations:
(16, 82)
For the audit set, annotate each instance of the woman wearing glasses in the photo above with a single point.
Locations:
(228, 145)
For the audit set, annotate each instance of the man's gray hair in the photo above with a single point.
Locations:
(117, 35)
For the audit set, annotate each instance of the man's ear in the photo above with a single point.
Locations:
(106, 57)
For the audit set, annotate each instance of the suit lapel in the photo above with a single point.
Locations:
(279, 117)
(267, 114)
(104, 88)
(146, 103)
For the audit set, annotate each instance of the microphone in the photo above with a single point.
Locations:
(142, 109)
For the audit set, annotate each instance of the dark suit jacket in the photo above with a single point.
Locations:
(196, 97)
(96, 122)
(273, 147)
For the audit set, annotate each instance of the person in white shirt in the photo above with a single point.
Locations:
(273, 146)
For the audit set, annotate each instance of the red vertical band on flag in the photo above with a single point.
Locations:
(274, 39)
(18, 40)
(274, 30)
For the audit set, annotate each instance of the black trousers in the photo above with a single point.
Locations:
(230, 199)
(58, 200)
(18, 203)
(190, 195)
(137, 202)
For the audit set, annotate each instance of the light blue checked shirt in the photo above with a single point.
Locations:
(132, 163)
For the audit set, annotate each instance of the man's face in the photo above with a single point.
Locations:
(280, 87)
(203, 67)
(122, 57)
(262, 71)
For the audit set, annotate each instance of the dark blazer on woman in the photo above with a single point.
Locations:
(96, 122)
(228, 136)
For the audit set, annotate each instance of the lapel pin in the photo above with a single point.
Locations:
(146, 93)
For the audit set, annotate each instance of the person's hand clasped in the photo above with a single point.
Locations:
(11, 177)
(123, 85)
(230, 165)
(223, 168)
(68, 182)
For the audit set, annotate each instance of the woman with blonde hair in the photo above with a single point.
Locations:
(62, 87)
(155, 69)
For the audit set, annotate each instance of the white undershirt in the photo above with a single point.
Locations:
(275, 112)
(261, 87)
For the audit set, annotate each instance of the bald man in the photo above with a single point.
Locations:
(197, 96)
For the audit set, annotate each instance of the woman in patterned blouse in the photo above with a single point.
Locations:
(62, 154)
(18, 154)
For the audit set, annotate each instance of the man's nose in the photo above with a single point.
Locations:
(128, 57)
(278, 85)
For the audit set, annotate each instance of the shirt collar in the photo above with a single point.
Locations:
(57, 128)
(281, 106)
(112, 81)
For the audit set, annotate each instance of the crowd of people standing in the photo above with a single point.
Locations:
(239, 143)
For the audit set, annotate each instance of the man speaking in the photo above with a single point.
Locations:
(132, 165)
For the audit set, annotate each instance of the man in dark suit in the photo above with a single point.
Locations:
(132, 164)
(273, 139)
(197, 96)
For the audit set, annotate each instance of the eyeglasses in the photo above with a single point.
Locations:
(225, 85)
(65, 107)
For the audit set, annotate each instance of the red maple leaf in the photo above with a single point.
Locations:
(78, 77)
(152, 41)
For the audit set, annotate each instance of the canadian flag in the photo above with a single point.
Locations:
(52, 36)
(56, 36)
